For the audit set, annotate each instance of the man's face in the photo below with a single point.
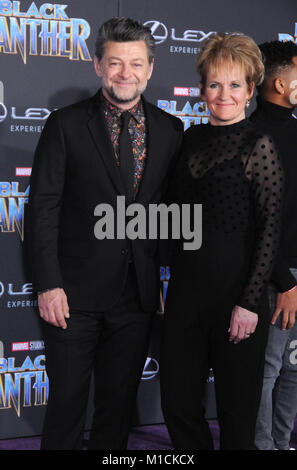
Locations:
(125, 71)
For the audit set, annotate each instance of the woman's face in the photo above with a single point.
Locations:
(226, 92)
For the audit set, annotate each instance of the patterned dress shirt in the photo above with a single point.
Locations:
(137, 132)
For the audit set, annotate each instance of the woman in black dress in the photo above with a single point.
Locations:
(216, 309)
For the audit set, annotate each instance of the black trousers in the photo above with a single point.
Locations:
(113, 345)
(202, 292)
(186, 357)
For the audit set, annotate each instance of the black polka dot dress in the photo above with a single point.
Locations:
(235, 173)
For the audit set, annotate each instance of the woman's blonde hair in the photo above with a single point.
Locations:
(231, 48)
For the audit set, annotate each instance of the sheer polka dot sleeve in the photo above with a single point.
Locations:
(264, 171)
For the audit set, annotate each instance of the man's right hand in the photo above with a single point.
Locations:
(53, 307)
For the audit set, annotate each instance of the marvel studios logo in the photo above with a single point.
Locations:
(186, 91)
(23, 171)
(28, 346)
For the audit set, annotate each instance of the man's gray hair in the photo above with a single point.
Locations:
(124, 30)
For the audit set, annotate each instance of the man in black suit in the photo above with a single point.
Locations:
(276, 101)
(97, 297)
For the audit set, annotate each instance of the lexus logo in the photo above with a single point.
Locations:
(3, 112)
(158, 30)
(24, 289)
(151, 369)
(160, 33)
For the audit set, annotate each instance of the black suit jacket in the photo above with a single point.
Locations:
(74, 170)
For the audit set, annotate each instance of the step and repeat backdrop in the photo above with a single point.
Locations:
(46, 62)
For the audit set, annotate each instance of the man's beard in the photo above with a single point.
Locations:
(118, 99)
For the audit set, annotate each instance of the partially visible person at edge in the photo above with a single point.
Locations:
(276, 99)
(97, 297)
(217, 307)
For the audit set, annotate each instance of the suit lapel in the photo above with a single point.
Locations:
(100, 136)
